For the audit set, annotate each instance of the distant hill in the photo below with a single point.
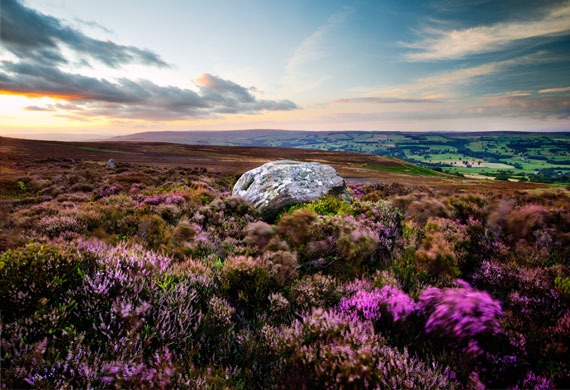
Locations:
(537, 156)
(234, 160)
(253, 137)
(60, 137)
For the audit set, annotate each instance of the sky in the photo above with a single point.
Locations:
(112, 67)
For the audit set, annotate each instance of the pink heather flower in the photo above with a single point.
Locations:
(372, 305)
(461, 313)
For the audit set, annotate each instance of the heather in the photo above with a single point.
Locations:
(151, 277)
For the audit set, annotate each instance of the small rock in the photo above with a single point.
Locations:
(278, 185)
(111, 163)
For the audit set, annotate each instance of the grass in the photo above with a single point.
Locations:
(407, 169)
(96, 149)
(91, 148)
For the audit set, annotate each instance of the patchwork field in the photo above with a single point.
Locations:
(539, 157)
(236, 160)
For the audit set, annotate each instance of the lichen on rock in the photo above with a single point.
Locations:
(277, 185)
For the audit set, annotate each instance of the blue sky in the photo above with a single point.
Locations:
(124, 66)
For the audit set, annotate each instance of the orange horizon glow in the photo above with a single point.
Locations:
(37, 95)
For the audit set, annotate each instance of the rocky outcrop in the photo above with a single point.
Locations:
(278, 185)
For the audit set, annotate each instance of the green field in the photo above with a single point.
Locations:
(408, 169)
(543, 157)
(526, 156)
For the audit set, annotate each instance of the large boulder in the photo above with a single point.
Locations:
(278, 185)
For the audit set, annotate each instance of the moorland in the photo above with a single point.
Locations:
(518, 156)
(150, 274)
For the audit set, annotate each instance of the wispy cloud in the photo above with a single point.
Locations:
(456, 44)
(310, 50)
(444, 84)
(554, 90)
(37, 108)
(538, 106)
(384, 100)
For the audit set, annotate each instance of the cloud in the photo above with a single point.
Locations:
(37, 40)
(456, 44)
(37, 108)
(500, 107)
(142, 99)
(93, 24)
(384, 100)
(538, 106)
(554, 90)
(310, 50)
(443, 84)
(35, 37)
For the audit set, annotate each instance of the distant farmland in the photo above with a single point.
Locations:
(521, 156)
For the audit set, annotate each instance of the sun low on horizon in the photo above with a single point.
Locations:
(112, 68)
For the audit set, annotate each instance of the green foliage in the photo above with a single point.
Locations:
(152, 231)
(36, 276)
(247, 283)
(328, 205)
(563, 285)
(409, 169)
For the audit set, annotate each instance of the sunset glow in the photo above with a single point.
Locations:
(429, 66)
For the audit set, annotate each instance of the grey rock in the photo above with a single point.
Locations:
(278, 185)
(111, 163)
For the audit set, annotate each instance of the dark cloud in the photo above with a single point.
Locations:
(35, 37)
(384, 100)
(89, 96)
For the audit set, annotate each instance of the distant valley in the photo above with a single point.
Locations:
(514, 156)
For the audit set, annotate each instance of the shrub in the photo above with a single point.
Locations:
(328, 205)
(35, 277)
(521, 222)
(461, 315)
(278, 307)
(247, 282)
(315, 291)
(355, 242)
(282, 266)
(153, 231)
(296, 228)
(53, 226)
(421, 210)
(326, 349)
(372, 305)
(258, 234)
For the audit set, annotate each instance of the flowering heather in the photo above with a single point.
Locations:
(387, 301)
(461, 314)
(356, 190)
(153, 277)
(329, 350)
(315, 291)
(121, 257)
(220, 311)
(107, 191)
